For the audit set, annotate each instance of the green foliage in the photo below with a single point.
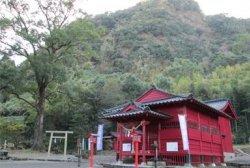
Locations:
(8, 73)
(161, 30)
(11, 127)
(55, 44)
(185, 5)
(132, 86)
(89, 65)
(242, 45)
(228, 26)
(163, 82)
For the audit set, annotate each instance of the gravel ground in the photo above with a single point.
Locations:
(40, 164)
(31, 160)
(52, 164)
(241, 160)
(61, 162)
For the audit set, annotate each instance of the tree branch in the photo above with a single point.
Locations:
(45, 13)
(17, 52)
(23, 99)
(20, 21)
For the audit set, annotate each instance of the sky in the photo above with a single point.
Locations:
(235, 8)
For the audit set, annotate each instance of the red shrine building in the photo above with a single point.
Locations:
(154, 116)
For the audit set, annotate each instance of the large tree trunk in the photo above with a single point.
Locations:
(38, 131)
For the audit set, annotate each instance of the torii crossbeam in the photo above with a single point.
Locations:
(65, 137)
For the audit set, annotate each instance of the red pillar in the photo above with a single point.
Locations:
(159, 136)
(222, 148)
(144, 141)
(136, 153)
(117, 147)
(120, 140)
(91, 155)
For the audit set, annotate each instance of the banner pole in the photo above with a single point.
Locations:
(189, 155)
(184, 134)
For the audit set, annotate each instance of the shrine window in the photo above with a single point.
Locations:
(215, 131)
(170, 124)
(193, 124)
(205, 128)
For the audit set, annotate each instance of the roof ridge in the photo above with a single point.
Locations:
(159, 89)
(135, 112)
(184, 95)
(164, 99)
(118, 106)
(151, 89)
(216, 100)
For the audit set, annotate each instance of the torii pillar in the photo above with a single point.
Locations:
(65, 137)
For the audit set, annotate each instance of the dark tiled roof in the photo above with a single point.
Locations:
(114, 110)
(167, 100)
(217, 104)
(135, 113)
(118, 108)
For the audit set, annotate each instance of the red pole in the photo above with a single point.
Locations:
(91, 155)
(121, 142)
(136, 153)
(144, 142)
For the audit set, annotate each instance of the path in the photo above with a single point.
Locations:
(32, 159)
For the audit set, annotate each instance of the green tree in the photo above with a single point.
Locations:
(132, 86)
(47, 40)
(8, 73)
(242, 44)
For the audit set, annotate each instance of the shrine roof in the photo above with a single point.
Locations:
(137, 113)
(223, 105)
(118, 108)
(115, 109)
(167, 100)
(218, 104)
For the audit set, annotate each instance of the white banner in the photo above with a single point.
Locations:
(99, 142)
(184, 133)
(88, 143)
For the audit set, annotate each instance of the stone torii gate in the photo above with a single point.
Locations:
(65, 137)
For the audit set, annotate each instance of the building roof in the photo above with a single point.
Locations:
(218, 106)
(167, 100)
(115, 109)
(224, 105)
(137, 113)
(153, 94)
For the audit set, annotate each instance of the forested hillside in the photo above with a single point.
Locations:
(162, 31)
(171, 44)
(166, 43)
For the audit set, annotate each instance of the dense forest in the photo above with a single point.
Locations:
(170, 44)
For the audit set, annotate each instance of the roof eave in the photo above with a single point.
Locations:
(139, 114)
(211, 108)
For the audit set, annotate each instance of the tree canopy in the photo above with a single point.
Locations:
(76, 68)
